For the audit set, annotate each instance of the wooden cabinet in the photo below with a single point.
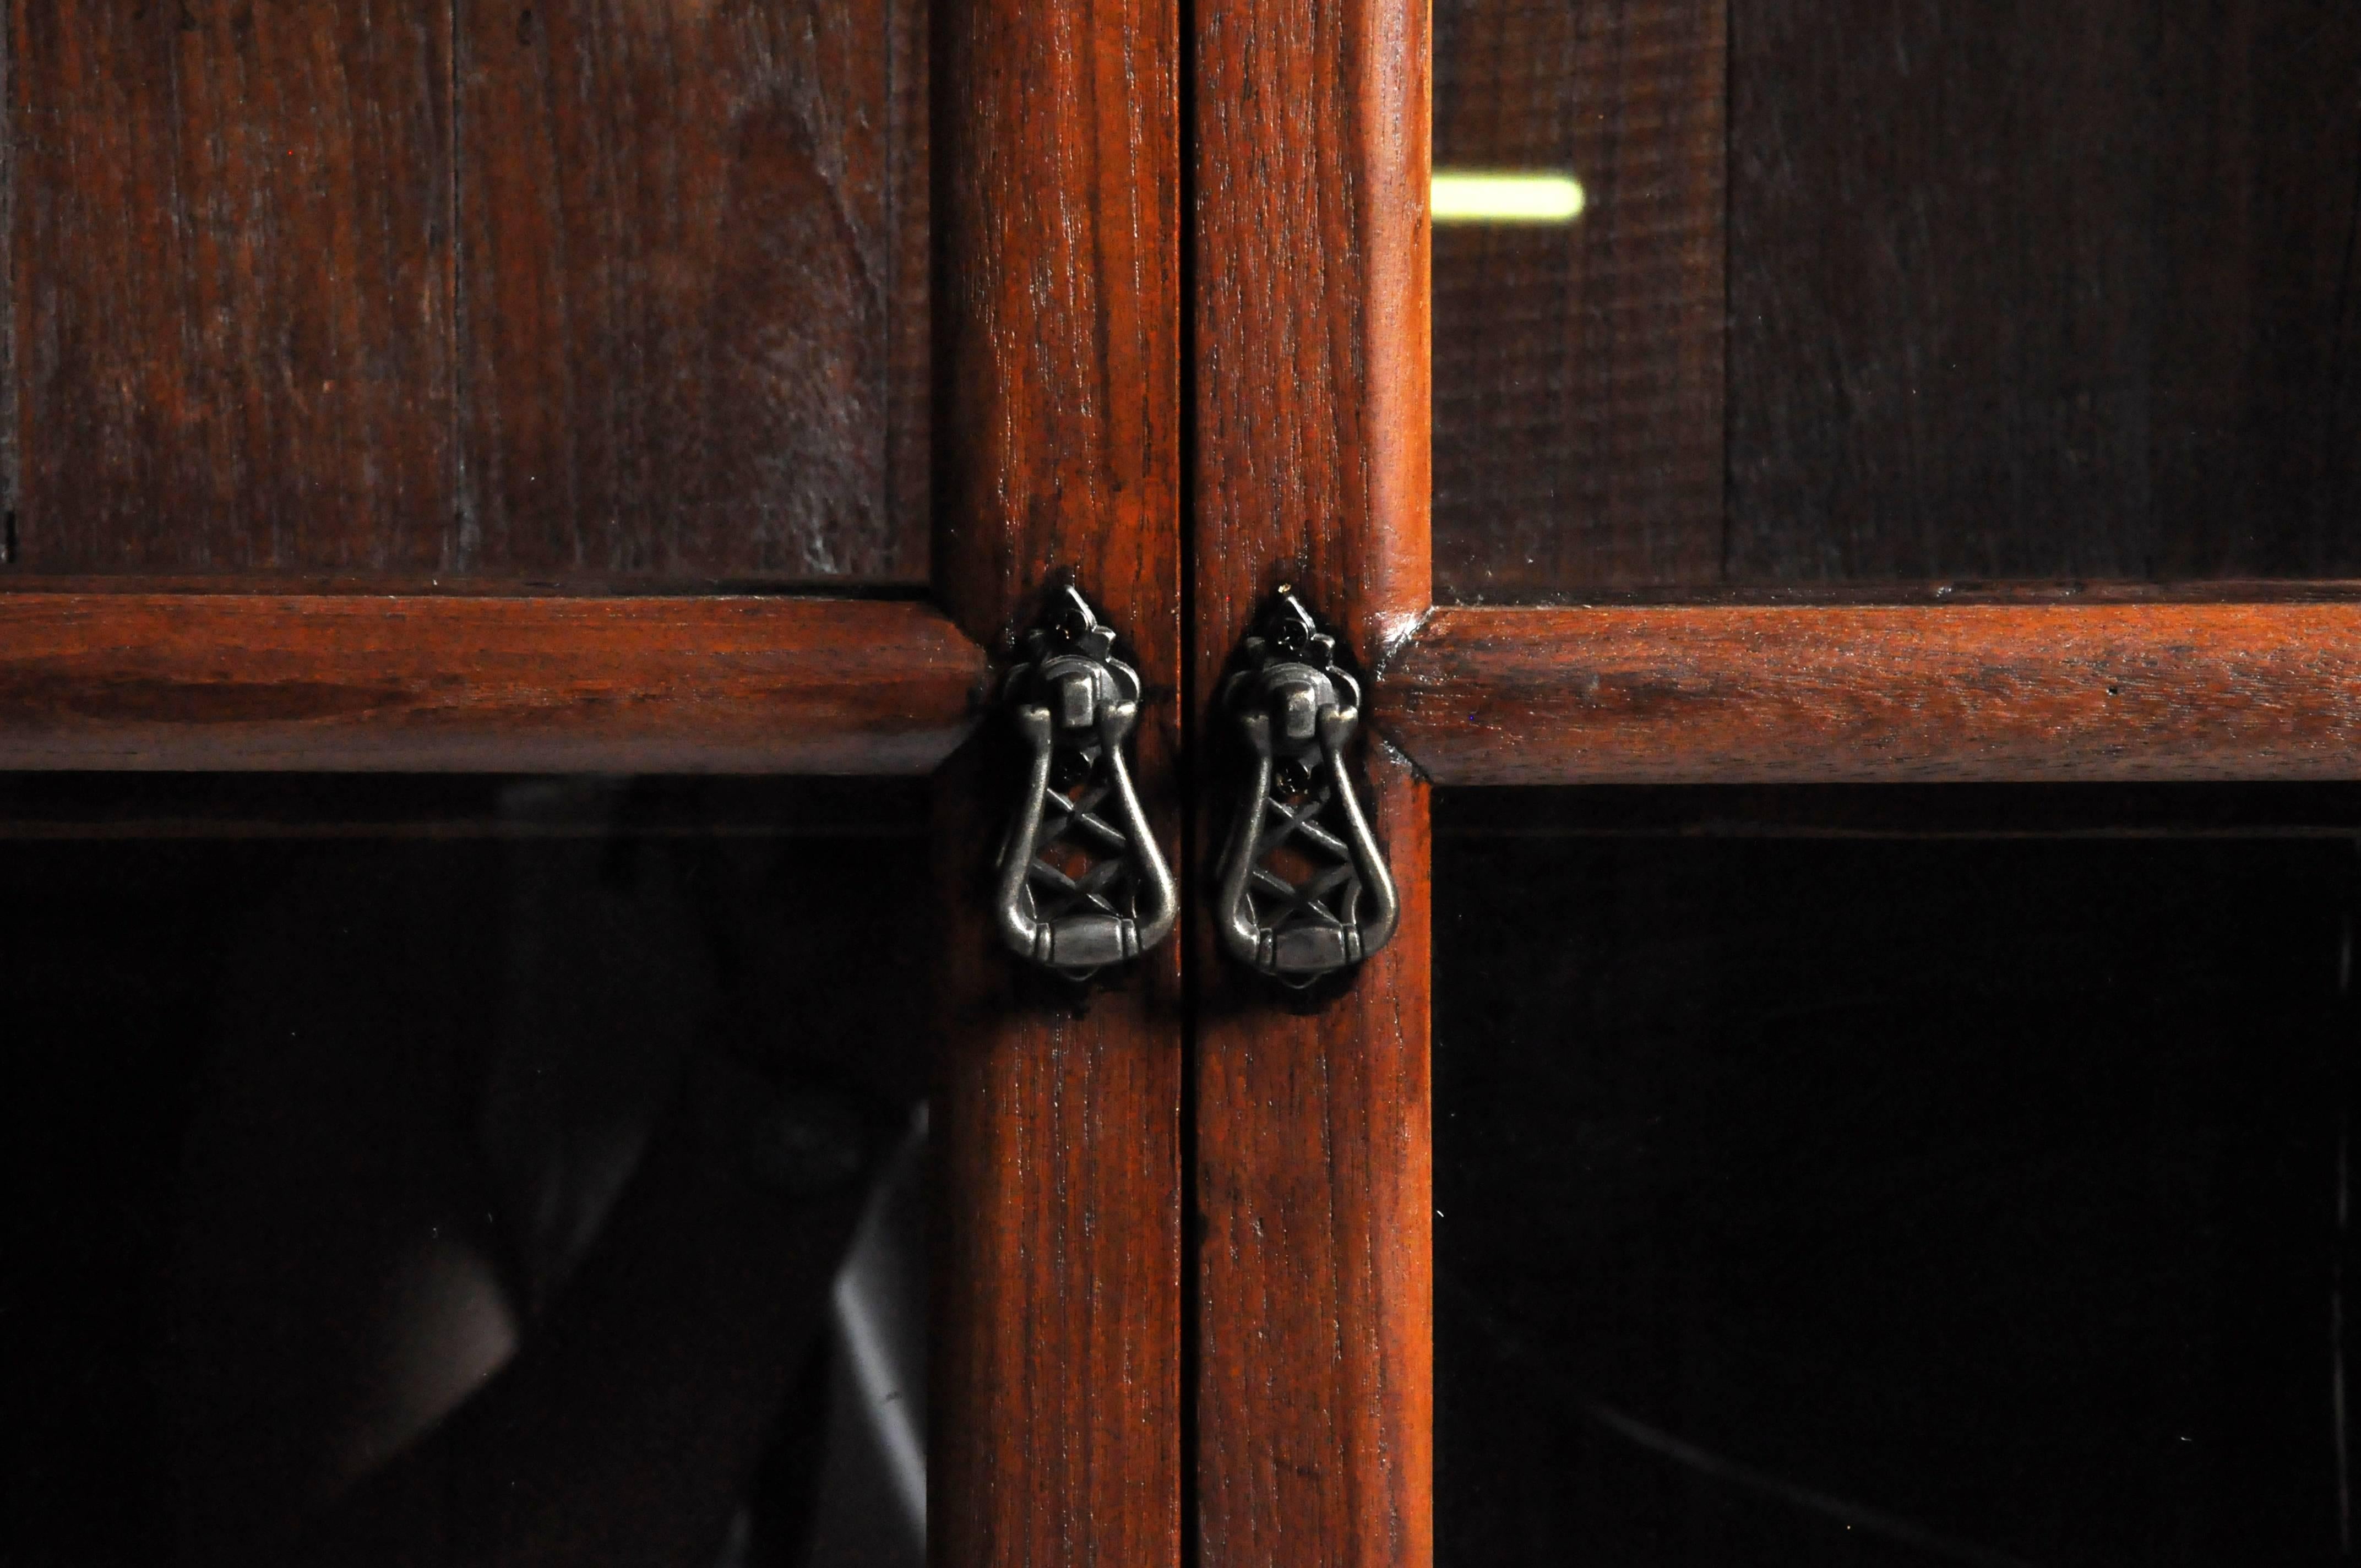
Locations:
(1908, 399)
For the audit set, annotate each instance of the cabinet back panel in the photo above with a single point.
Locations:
(2024, 291)
(474, 288)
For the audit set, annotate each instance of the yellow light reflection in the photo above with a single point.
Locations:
(1499, 196)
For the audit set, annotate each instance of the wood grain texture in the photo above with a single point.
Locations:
(233, 315)
(12, 474)
(1056, 1400)
(688, 283)
(2052, 290)
(2255, 462)
(1578, 368)
(1312, 317)
(1313, 1316)
(1735, 694)
(909, 314)
(1058, 328)
(121, 681)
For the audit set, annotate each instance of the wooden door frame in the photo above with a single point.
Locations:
(1312, 1182)
(1314, 1222)
(1058, 1406)
(1055, 1379)
(1055, 1398)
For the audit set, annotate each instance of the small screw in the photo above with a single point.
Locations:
(1073, 621)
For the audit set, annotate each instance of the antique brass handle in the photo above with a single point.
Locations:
(1296, 709)
(1074, 705)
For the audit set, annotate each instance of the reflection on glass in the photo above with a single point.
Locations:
(1578, 368)
(1475, 196)
(1852, 302)
(1889, 1202)
(541, 1170)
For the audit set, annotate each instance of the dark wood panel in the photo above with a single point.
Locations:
(1056, 1400)
(234, 306)
(1312, 1294)
(436, 585)
(1578, 368)
(909, 312)
(11, 455)
(2255, 459)
(480, 684)
(2043, 291)
(1734, 694)
(683, 268)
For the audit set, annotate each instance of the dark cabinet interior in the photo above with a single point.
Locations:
(1955, 1178)
(330, 1102)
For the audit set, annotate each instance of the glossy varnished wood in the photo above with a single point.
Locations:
(1578, 367)
(687, 288)
(233, 259)
(1312, 335)
(1057, 329)
(1056, 1400)
(1771, 694)
(1314, 1267)
(1313, 1296)
(358, 681)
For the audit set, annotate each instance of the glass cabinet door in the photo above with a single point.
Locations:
(1769, 458)
(411, 1164)
(1881, 292)
(525, 392)
(1970, 1191)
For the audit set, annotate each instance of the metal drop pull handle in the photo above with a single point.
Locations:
(1296, 709)
(1074, 705)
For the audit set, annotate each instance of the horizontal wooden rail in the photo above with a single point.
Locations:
(514, 684)
(1791, 694)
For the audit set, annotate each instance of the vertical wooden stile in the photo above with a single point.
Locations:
(1056, 1405)
(1312, 1271)
(683, 268)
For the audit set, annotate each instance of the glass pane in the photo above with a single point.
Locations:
(1804, 1197)
(480, 292)
(411, 1162)
(1886, 291)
